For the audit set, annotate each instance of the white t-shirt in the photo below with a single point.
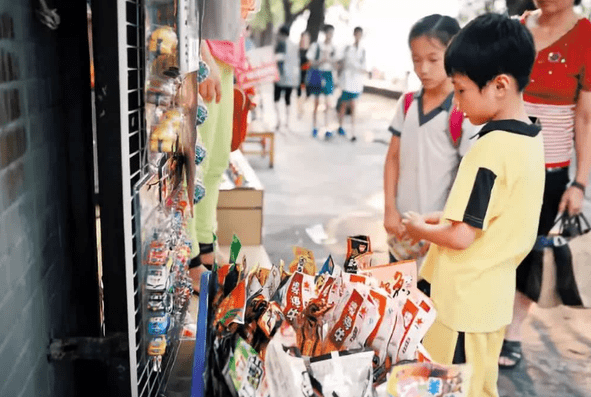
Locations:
(428, 158)
(319, 51)
(353, 77)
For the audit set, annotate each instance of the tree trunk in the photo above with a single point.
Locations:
(266, 36)
(316, 18)
(287, 14)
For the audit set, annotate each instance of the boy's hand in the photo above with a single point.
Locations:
(393, 223)
(414, 224)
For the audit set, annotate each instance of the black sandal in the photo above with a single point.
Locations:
(511, 350)
(196, 261)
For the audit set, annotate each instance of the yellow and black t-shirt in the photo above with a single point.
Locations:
(498, 190)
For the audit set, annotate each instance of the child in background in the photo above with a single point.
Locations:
(353, 75)
(491, 216)
(319, 78)
(288, 64)
(423, 157)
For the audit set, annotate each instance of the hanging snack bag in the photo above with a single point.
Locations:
(163, 41)
(429, 380)
(272, 282)
(344, 374)
(303, 261)
(386, 319)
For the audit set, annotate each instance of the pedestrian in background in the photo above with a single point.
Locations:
(322, 57)
(288, 65)
(304, 67)
(352, 79)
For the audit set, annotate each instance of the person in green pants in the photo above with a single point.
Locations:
(216, 133)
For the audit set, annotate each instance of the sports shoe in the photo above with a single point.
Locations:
(314, 132)
(328, 135)
(353, 138)
(341, 131)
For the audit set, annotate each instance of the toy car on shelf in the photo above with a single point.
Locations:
(157, 346)
(158, 301)
(158, 324)
(157, 278)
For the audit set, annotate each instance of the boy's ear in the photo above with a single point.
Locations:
(502, 83)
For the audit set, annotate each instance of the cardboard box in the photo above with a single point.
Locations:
(240, 209)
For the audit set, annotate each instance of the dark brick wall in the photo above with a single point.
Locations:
(37, 273)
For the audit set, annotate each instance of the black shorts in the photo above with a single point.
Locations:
(277, 94)
(556, 183)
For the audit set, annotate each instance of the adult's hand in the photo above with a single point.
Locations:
(211, 88)
(393, 223)
(571, 201)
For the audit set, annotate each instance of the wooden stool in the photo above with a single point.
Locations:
(260, 137)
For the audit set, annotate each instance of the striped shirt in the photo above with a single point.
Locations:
(560, 72)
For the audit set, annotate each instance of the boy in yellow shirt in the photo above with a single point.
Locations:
(490, 219)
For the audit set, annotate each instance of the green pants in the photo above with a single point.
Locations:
(216, 133)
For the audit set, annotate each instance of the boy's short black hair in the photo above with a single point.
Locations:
(490, 45)
(577, 2)
(284, 30)
(327, 27)
(436, 26)
(358, 29)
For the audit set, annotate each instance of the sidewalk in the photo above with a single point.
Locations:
(338, 184)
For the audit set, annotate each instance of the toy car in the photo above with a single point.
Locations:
(157, 278)
(157, 346)
(158, 301)
(158, 325)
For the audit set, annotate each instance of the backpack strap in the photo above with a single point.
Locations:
(408, 98)
(456, 118)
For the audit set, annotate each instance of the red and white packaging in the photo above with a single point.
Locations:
(300, 290)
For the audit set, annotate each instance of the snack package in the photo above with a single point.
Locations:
(233, 306)
(287, 374)
(422, 355)
(271, 319)
(271, 282)
(328, 266)
(245, 370)
(356, 246)
(429, 380)
(344, 374)
(303, 261)
(348, 317)
(309, 327)
(299, 290)
(386, 319)
(414, 315)
(394, 276)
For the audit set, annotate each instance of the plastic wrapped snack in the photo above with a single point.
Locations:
(429, 380)
(303, 261)
(344, 374)
(287, 374)
(394, 276)
(299, 291)
(233, 306)
(358, 248)
(163, 41)
(245, 370)
(414, 315)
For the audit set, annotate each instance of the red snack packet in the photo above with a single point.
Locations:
(394, 276)
(232, 308)
(300, 289)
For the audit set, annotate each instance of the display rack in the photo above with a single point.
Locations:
(125, 168)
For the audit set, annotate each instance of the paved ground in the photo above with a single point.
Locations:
(338, 184)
